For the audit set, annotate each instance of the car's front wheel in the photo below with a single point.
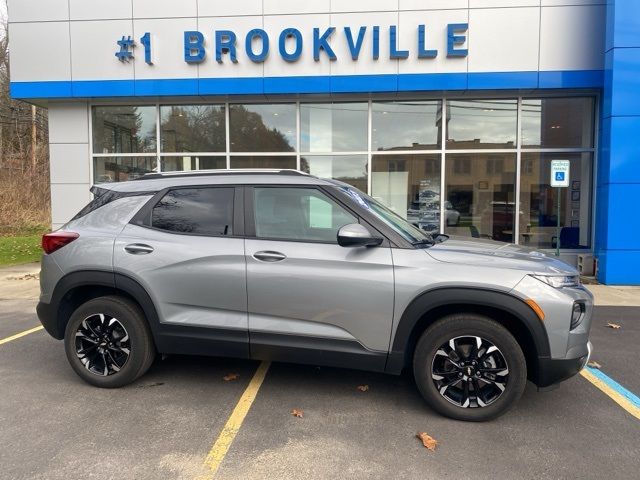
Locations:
(108, 342)
(469, 367)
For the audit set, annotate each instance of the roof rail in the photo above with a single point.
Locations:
(237, 171)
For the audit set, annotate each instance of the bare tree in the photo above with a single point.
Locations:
(24, 154)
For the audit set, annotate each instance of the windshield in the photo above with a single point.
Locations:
(407, 230)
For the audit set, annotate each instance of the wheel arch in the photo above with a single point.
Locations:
(77, 288)
(511, 312)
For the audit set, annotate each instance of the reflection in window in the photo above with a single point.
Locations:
(127, 129)
(557, 123)
(188, 163)
(539, 202)
(201, 211)
(406, 125)
(256, 161)
(484, 202)
(351, 169)
(263, 128)
(192, 128)
(462, 165)
(121, 169)
(410, 186)
(481, 124)
(298, 214)
(333, 127)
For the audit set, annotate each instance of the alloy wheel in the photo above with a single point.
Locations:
(470, 372)
(102, 344)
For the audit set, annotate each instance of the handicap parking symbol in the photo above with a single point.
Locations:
(559, 176)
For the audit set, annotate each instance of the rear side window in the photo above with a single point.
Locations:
(199, 211)
(103, 197)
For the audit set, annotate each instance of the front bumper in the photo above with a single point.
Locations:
(552, 371)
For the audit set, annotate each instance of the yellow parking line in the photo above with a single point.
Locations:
(225, 439)
(21, 334)
(613, 390)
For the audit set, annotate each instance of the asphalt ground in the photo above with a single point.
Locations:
(54, 426)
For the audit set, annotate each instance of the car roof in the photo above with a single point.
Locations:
(154, 182)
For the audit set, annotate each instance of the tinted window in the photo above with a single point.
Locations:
(203, 211)
(298, 214)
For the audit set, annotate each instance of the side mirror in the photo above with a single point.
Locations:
(356, 235)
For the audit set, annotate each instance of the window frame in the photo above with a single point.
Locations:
(143, 218)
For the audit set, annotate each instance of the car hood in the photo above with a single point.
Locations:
(481, 252)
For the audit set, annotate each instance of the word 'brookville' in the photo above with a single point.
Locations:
(291, 45)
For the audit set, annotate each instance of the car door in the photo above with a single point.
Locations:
(309, 299)
(186, 249)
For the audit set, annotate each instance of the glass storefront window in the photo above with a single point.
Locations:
(410, 186)
(257, 161)
(539, 202)
(334, 127)
(481, 124)
(121, 169)
(407, 125)
(557, 122)
(351, 169)
(481, 202)
(262, 128)
(403, 141)
(125, 129)
(192, 128)
(188, 163)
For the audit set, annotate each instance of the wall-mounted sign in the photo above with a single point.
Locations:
(289, 44)
(560, 173)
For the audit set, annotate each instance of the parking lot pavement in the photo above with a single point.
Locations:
(616, 350)
(56, 427)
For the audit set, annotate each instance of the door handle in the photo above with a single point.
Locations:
(138, 248)
(269, 256)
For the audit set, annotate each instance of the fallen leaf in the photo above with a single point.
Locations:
(230, 377)
(428, 441)
(615, 326)
(363, 388)
(594, 365)
(297, 413)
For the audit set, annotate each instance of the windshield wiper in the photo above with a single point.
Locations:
(440, 237)
(426, 242)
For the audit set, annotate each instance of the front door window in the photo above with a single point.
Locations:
(300, 214)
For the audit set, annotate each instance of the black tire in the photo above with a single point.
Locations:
(139, 342)
(504, 389)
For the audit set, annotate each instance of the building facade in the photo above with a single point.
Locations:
(449, 111)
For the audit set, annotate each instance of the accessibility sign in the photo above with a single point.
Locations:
(560, 173)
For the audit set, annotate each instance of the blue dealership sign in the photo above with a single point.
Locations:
(291, 46)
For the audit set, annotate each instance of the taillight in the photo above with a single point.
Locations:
(56, 240)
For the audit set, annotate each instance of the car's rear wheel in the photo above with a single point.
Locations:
(108, 342)
(469, 367)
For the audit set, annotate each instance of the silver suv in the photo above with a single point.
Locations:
(280, 265)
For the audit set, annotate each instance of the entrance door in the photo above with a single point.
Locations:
(309, 299)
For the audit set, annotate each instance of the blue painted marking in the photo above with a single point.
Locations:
(633, 398)
(408, 82)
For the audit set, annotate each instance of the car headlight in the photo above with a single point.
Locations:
(559, 281)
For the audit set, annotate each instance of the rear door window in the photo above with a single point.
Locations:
(197, 211)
